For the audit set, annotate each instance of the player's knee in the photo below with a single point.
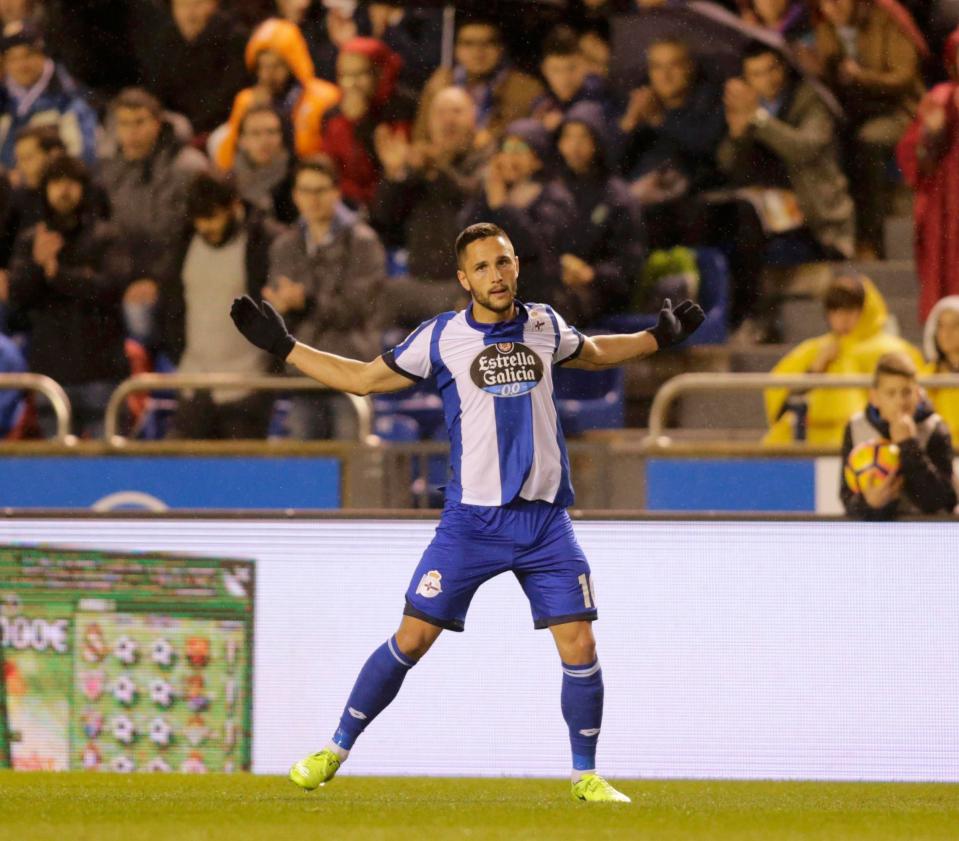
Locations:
(584, 651)
(580, 649)
(415, 640)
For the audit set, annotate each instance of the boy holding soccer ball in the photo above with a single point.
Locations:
(897, 454)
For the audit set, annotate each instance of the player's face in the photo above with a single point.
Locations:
(489, 272)
(895, 396)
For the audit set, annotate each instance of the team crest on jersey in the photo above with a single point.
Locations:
(430, 586)
(507, 369)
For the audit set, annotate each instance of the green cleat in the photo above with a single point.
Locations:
(316, 770)
(594, 789)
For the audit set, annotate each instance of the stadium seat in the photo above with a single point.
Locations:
(421, 403)
(158, 407)
(713, 298)
(590, 399)
(407, 417)
(396, 428)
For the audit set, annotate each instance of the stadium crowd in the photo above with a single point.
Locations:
(164, 156)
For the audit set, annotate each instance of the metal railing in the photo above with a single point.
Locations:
(676, 387)
(363, 406)
(50, 389)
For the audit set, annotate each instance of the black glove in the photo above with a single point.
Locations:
(262, 325)
(676, 325)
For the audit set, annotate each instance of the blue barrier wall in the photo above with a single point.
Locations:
(170, 481)
(677, 484)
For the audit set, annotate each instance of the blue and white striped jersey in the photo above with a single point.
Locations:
(496, 381)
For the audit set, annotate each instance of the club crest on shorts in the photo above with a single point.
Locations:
(430, 586)
(507, 369)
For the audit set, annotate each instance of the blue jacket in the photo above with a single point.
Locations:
(54, 100)
(11, 402)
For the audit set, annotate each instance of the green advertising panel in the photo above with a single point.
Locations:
(4, 737)
(125, 662)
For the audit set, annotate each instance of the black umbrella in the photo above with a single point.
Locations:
(715, 36)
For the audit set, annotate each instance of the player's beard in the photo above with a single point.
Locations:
(498, 305)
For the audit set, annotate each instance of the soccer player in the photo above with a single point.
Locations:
(509, 486)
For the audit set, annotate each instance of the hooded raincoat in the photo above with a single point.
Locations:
(930, 164)
(822, 414)
(945, 400)
(306, 102)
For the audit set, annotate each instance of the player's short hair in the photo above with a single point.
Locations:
(756, 48)
(136, 98)
(894, 364)
(481, 230)
(208, 194)
(323, 164)
(845, 292)
(46, 137)
(561, 41)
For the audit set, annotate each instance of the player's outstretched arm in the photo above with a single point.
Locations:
(263, 326)
(672, 327)
(344, 374)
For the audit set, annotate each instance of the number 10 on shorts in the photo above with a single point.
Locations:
(589, 594)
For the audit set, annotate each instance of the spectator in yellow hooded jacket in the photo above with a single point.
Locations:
(940, 343)
(856, 315)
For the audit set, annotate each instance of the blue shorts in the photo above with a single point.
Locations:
(474, 543)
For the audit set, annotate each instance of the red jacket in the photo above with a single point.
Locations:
(350, 143)
(931, 167)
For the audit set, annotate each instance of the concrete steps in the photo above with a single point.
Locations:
(898, 237)
(721, 410)
(742, 414)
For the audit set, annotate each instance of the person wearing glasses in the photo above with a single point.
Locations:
(325, 278)
(482, 68)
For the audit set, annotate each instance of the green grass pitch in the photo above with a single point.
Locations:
(109, 807)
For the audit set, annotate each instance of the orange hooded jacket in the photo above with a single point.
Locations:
(317, 96)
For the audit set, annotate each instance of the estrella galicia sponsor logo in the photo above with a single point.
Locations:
(507, 369)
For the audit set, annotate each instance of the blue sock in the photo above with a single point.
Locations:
(376, 686)
(582, 703)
